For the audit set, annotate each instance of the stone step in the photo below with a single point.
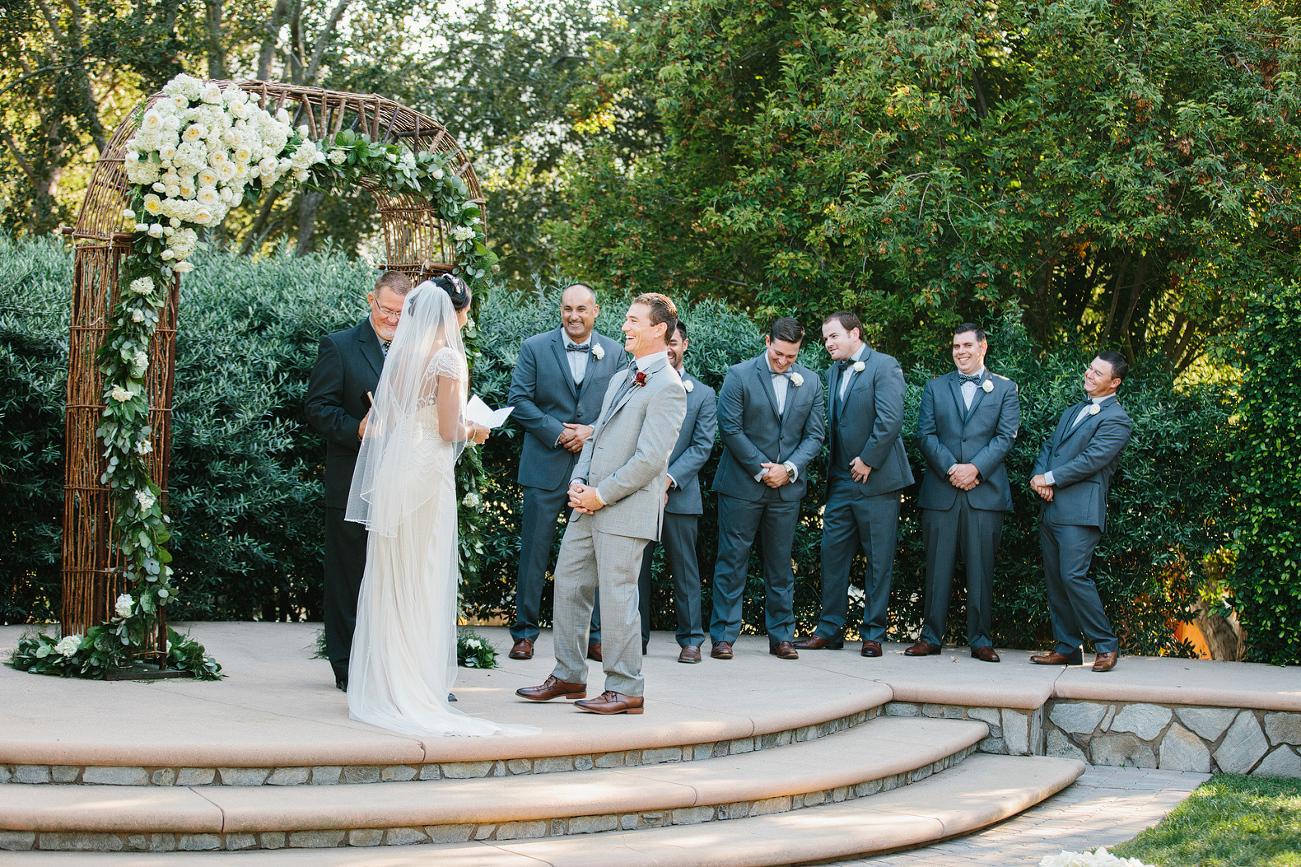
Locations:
(879, 755)
(980, 791)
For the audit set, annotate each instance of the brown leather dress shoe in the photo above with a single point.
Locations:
(721, 650)
(690, 653)
(612, 702)
(523, 649)
(984, 654)
(923, 648)
(817, 642)
(1052, 657)
(871, 648)
(594, 652)
(553, 687)
(783, 650)
(1106, 661)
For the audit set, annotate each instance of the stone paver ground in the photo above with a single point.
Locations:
(1105, 807)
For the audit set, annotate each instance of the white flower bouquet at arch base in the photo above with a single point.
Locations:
(1099, 857)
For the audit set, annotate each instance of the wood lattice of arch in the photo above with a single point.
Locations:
(416, 241)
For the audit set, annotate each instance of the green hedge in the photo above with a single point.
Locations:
(1267, 579)
(246, 489)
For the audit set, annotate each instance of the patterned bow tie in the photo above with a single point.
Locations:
(577, 347)
(974, 378)
(786, 374)
(845, 363)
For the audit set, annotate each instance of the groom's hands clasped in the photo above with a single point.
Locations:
(584, 499)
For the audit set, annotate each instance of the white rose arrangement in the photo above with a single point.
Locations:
(1100, 857)
(122, 608)
(68, 646)
(796, 379)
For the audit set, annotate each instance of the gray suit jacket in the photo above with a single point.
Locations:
(754, 434)
(545, 398)
(948, 433)
(1083, 459)
(869, 424)
(627, 456)
(692, 450)
(348, 365)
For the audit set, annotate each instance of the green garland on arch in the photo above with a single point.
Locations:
(250, 152)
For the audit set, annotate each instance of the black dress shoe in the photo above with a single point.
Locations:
(341, 683)
(451, 696)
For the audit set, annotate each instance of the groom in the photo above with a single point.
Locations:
(617, 494)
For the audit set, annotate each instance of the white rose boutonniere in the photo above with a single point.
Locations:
(859, 367)
(987, 386)
(1094, 409)
(688, 386)
(797, 380)
(598, 351)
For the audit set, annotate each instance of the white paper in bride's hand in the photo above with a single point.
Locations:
(478, 412)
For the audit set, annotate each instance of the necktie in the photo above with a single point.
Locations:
(385, 344)
(577, 347)
(974, 378)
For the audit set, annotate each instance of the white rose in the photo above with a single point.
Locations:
(797, 380)
(1094, 409)
(137, 316)
(598, 351)
(142, 227)
(208, 196)
(145, 499)
(194, 132)
(128, 214)
(206, 178)
(217, 159)
(182, 267)
(242, 154)
(158, 187)
(152, 122)
(859, 367)
(171, 123)
(987, 386)
(180, 102)
(266, 165)
(211, 94)
(436, 174)
(338, 157)
(239, 110)
(156, 230)
(300, 175)
(168, 255)
(463, 233)
(688, 386)
(140, 359)
(68, 647)
(120, 394)
(122, 608)
(153, 204)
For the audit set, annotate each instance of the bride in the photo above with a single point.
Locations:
(404, 648)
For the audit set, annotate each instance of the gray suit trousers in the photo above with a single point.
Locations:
(851, 522)
(1073, 600)
(589, 560)
(678, 536)
(975, 533)
(542, 508)
(739, 521)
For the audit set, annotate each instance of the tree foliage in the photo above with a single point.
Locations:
(1122, 169)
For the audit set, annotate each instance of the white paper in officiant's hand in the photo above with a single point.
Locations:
(478, 412)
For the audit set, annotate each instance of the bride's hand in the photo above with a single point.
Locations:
(480, 434)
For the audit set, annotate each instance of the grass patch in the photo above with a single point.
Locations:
(1229, 821)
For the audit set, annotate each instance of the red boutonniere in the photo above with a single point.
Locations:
(640, 379)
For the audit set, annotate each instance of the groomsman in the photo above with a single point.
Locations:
(684, 507)
(968, 424)
(770, 412)
(556, 389)
(1073, 476)
(348, 364)
(866, 471)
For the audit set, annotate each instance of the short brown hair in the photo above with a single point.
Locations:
(847, 320)
(396, 282)
(662, 309)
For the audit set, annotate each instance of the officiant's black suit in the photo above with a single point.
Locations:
(348, 366)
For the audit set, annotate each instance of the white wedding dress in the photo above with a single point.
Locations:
(403, 660)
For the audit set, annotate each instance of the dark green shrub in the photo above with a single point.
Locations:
(1267, 579)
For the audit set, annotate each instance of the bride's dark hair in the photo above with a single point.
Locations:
(456, 290)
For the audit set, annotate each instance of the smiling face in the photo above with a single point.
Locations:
(1099, 379)
(969, 352)
(781, 354)
(578, 311)
(841, 344)
(677, 349)
(640, 336)
(385, 311)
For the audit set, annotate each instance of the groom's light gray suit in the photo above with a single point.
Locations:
(626, 459)
(1082, 459)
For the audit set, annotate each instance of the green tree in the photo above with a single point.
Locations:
(1122, 170)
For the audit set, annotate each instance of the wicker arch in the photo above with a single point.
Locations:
(416, 239)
